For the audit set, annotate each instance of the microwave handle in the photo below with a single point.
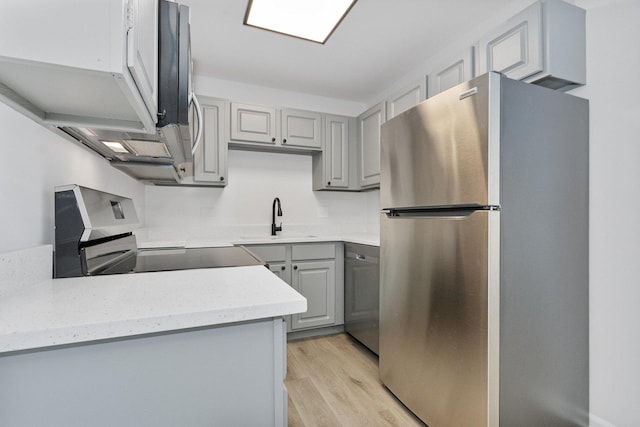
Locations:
(194, 100)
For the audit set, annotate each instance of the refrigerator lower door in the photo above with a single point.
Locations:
(439, 316)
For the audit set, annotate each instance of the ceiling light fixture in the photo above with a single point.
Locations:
(313, 20)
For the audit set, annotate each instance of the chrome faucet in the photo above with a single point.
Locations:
(275, 228)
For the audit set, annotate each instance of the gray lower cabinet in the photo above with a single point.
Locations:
(213, 376)
(316, 281)
(316, 271)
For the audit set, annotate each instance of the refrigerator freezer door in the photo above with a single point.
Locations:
(438, 334)
(439, 153)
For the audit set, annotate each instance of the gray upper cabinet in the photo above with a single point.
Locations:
(514, 49)
(450, 73)
(369, 124)
(301, 128)
(335, 167)
(210, 158)
(407, 98)
(256, 127)
(544, 44)
(253, 123)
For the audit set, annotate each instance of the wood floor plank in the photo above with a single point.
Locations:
(311, 406)
(295, 420)
(340, 376)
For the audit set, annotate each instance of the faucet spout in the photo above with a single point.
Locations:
(274, 227)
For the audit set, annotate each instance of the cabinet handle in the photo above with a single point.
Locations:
(284, 141)
(196, 142)
(329, 183)
(282, 268)
(222, 178)
(273, 139)
(295, 267)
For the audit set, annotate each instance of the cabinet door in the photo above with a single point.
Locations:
(336, 151)
(301, 128)
(452, 73)
(142, 50)
(406, 99)
(514, 49)
(316, 281)
(253, 123)
(280, 269)
(369, 145)
(210, 159)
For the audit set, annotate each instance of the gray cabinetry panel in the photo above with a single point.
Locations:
(253, 123)
(369, 124)
(200, 377)
(301, 128)
(515, 49)
(210, 158)
(544, 44)
(313, 251)
(451, 73)
(316, 281)
(269, 253)
(405, 99)
(316, 270)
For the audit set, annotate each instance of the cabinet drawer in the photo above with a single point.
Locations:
(313, 251)
(269, 253)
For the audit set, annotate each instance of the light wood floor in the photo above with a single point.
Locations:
(333, 381)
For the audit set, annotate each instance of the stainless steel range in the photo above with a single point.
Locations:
(94, 236)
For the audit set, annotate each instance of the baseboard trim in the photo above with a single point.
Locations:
(298, 335)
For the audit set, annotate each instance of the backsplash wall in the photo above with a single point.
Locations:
(243, 207)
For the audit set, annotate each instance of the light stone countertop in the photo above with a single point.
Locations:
(46, 312)
(50, 312)
(361, 238)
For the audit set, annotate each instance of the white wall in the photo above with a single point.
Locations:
(244, 206)
(255, 178)
(34, 160)
(613, 88)
(260, 95)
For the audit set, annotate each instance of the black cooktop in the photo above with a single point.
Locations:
(168, 259)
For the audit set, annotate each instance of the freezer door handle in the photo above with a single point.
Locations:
(437, 212)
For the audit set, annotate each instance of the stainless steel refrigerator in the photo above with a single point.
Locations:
(484, 256)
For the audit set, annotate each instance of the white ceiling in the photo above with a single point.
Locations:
(378, 41)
